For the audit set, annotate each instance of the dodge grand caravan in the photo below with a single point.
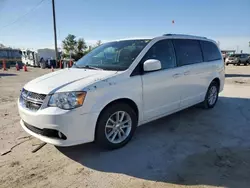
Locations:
(119, 86)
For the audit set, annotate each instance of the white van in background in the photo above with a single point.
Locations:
(119, 86)
(33, 58)
(29, 57)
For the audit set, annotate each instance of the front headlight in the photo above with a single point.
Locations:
(67, 100)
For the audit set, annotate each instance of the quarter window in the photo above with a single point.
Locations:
(210, 51)
(187, 51)
(164, 52)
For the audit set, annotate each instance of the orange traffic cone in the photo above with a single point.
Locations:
(25, 68)
(52, 69)
(17, 67)
(4, 65)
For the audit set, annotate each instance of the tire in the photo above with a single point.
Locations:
(104, 134)
(226, 64)
(245, 64)
(207, 103)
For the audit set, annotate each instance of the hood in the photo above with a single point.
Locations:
(66, 80)
(232, 57)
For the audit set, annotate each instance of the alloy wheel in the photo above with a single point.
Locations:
(212, 95)
(118, 127)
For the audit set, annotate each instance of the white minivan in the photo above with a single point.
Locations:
(119, 86)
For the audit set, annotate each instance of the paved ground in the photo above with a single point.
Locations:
(192, 148)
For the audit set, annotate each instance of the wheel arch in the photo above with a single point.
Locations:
(217, 80)
(127, 101)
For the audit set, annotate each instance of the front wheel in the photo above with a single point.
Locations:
(211, 96)
(116, 126)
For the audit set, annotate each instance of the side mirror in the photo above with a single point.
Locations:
(151, 65)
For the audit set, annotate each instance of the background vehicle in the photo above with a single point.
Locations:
(11, 56)
(46, 54)
(120, 85)
(238, 59)
(29, 57)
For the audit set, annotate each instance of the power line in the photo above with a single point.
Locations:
(20, 17)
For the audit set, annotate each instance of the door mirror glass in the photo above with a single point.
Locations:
(151, 65)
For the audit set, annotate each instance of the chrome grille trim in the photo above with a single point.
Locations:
(31, 101)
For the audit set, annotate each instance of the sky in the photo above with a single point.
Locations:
(29, 24)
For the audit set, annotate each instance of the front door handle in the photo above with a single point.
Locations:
(177, 75)
(187, 73)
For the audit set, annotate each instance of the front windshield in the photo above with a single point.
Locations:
(117, 56)
(235, 55)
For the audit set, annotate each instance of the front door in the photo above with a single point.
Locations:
(161, 91)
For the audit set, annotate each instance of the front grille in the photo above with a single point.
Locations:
(33, 95)
(32, 101)
(51, 133)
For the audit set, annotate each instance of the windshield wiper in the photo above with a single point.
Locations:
(88, 67)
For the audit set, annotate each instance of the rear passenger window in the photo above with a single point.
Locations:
(187, 51)
(210, 51)
(164, 52)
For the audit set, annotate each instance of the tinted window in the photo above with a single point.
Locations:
(244, 55)
(187, 51)
(210, 51)
(164, 52)
(235, 55)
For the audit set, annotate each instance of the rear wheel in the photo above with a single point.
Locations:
(116, 126)
(211, 96)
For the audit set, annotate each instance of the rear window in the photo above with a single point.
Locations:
(210, 51)
(244, 55)
(187, 51)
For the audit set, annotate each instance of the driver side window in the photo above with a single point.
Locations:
(164, 52)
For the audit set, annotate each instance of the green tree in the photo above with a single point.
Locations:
(81, 45)
(80, 49)
(98, 43)
(69, 44)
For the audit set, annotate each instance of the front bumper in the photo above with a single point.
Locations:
(231, 61)
(77, 127)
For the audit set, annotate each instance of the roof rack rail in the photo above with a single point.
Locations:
(183, 35)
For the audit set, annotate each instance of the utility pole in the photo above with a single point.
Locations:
(54, 22)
